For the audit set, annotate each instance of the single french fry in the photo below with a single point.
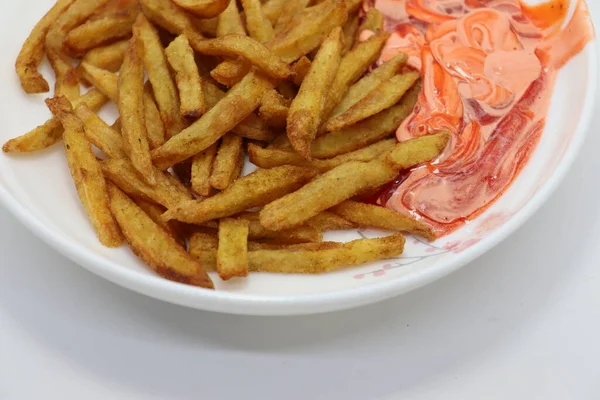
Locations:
(32, 52)
(159, 76)
(168, 191)
(154, 245)
(350, 30)
(369, 82)
(352, 66)
(273, 9)
(382, 97)
(273, 157)
(131, 108)
(168, 16)
(100, 134)
(373, 22)
(274, 109)
(304, 116)
(239, 102)
(109, 57)
(86, 173)
(300, 69)
(154, 124)
(235, 45)
(232, 253)
(98, 32)
(371, 216)
(292, 9)
(300, 234)
(203, 247)
(104, 80)
(227, 161)
(328, 221)
(67, 83)
(203, 8)
(366, 132)
(51, 131)
(181, 58)
(347, 180)
(259, 27)
(253, 190)
(201, 170)
(229, 21)
(155, 211)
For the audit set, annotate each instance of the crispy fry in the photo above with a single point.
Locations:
(226, 163)
(154, 245)
(350, 30)
(274, 109)
(239, 102)
(365, 132)
(373, 22)
(300, 234)
(259, 27)
(131, 108)
(105, 81)
(86, 173)
(358, 252)
(273, 157)
(155, 211)
(206, 26)
(203, 247)
(353, 65)
(254, 190)
(168, 191)
(300, 69)
(234, 45)
(230, 21)
(154, 125)
(304, 116)
(114, 7)
(51, 131)
(67, 83)
(108, 57)
(203, 8)
(100, 134)
(328, 221)
(232, 253)
(201, 169)
(159, 75)
(371, 216)
(273, 9)
(347, 180)
(382, 97)
(32, 52)
(168, 16)
(369, 82)
(181, 58)
(100, 31)
(292, 9)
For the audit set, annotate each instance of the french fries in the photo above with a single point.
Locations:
(203, 8)
(154, 245)
(259, 27)
(384, 96)
(131, 108)
(304, 116)
(201, 170)
(373, 22)
(206, 26)
(254, 190)
(328, 221)
(232, 253)
(226, 165)
(32, 52)
(168, 16)
(292, 9)
(155, 211)
(347, 180)
(274, 109)
(300, 234)
(98, 133)
(86, 173)
(350, 30)
(230, 22)
(370, 216)
(300, 69)
(109, 57)
(273, 9)
(181, 58)
(103, 80)
(239, 102)
(167, 191)
(154, 124)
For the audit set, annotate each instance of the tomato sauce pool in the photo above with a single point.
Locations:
(488, 68)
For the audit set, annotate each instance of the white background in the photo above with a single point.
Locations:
(522, 322)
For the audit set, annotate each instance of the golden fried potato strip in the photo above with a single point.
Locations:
(154, 245)
(225, 168)
(109, 141)
(328, 221)
(232, 252)
(109, 57)
(103, 80)
(203, 8)
(154, 124)
(229, 21)
(274, 109)
(201, 170)
(259, 26)
(86, 173)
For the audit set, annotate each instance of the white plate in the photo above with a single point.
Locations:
(39, 191)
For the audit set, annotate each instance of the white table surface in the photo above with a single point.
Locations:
(522, 322)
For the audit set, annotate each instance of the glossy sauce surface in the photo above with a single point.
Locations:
(488, 67)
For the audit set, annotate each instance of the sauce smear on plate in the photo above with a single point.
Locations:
(488, 67)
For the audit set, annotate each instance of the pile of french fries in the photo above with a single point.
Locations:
(292, 84)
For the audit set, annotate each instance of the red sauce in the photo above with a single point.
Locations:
(488, 67)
